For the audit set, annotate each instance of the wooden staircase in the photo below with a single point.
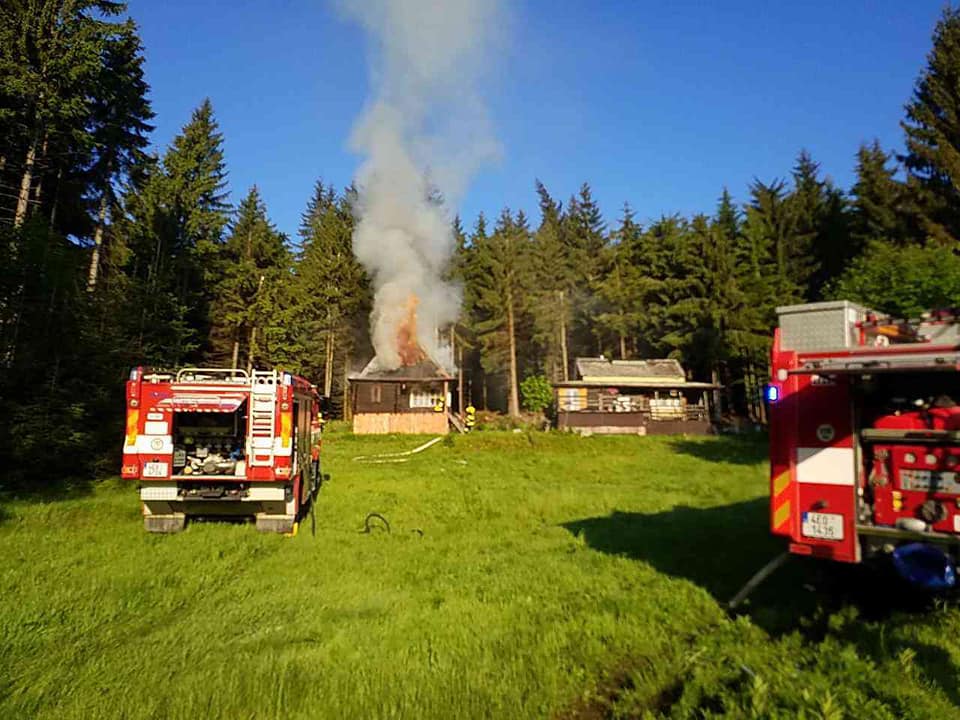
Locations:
(455, 422)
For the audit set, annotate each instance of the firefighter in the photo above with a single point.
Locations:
(438, 406)
(470, 419)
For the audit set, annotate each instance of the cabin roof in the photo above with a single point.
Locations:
(425, 370)
(666, 369)
(657, 373)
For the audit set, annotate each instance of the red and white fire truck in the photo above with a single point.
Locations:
(204, 441)
(865, 435)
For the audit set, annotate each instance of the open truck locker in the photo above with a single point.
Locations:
(222, 442)
(865, 434)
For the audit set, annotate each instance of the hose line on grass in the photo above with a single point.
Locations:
(366, 522)
(367, 527)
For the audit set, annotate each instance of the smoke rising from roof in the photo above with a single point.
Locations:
(423, 134)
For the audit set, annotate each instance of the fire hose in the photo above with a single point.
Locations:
(368, 527)
(397, 457)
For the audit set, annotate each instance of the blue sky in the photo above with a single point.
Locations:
(661, 104)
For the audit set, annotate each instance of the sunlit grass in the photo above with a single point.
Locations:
(526, 575)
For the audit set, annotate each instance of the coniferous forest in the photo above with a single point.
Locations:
(115, 257)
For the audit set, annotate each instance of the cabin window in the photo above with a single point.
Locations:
(376, 394)
(425, 398)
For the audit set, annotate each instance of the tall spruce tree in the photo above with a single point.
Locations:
(469, 271)
(254, 265)
(878, 204)
(621, 288)
(172, 226)
(503, 286)
(330, 293)
(51, 56)
(932, 129)
(585, 235)
(555, 280)
(120, 119)
(195, 183)
(771, 227)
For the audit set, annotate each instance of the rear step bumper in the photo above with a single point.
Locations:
(173, 491)
(166, 505)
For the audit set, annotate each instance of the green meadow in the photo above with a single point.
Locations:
(524, 575)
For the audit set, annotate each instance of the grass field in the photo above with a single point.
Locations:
(525, 575)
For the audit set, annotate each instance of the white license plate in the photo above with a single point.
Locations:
(825, 526)
(156, 469)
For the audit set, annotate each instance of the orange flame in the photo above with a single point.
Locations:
(408, 348)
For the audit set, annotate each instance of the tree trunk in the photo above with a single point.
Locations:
(250, 348)
(56, 198)
(97, 243)
(763, 401)
(236, 349)
(460, 404)
(26, 181)
(717, 403)
(38, 185)
(563, 336)
(623, 347)
(347, 410)
(514, 399)
(328, 367)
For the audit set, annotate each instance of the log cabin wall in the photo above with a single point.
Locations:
(432, 423)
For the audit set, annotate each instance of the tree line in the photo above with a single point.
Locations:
(116, 257)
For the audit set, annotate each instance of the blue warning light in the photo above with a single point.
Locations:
(772, 393)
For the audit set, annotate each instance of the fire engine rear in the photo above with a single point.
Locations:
(865, 437)
(206, 441)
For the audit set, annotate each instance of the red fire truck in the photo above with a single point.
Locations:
(865, 437)
(204, 441)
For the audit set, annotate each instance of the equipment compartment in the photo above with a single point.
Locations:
(209, 443)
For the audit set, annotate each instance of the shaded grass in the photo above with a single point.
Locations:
(550, 576)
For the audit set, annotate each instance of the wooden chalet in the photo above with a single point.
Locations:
(645, 397)
(409, 399)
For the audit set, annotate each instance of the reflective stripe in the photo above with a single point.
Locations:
(781, 515)
(826, 466)
(781, 482)
(133, 417)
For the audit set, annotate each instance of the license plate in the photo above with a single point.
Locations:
(825, 526)
(155, 469)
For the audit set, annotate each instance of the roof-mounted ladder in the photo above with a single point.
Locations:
(263, 418)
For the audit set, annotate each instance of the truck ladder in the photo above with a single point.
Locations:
(263, 418)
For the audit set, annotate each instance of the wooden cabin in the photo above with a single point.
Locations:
(643, 397)
(410, 399)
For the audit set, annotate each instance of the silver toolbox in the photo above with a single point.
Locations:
(820, 326)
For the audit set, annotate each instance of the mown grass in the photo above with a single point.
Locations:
(526, 575)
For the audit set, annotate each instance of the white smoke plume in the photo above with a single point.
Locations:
(423, 134)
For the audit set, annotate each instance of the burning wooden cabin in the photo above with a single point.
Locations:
(408, 393)
(409, 399)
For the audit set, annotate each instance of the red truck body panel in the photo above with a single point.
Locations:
(850, 461)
